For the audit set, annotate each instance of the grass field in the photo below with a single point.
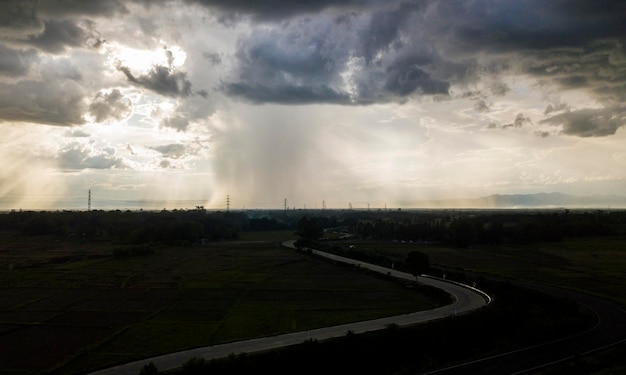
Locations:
(595, 266)
(69, 306)
(592, 265)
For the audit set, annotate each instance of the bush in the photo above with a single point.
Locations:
(149, 369)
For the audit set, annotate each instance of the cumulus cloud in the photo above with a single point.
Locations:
(162, 80)
(179, 123)
(77, 156)
(588, 122)
(555, 107)
(520, 121)
(110, 105)
(499, 88)
(55, 98)
(173, 150)
(53, 102)
(482, 106)
(213, 58)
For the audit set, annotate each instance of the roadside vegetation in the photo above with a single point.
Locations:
(519, 318)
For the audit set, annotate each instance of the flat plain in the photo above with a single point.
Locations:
(595, 265)
(70, 306)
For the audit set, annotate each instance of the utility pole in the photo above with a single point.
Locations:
(89, 200)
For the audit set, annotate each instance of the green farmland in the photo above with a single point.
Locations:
(70, 306)
(592, 265)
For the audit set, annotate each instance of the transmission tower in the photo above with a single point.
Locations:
(89, 200)
(285, 203)
(227, 203)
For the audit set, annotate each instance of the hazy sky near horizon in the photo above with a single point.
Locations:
(363, 101)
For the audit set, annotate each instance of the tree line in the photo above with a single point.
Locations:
(458, 228)
(470, 228)
(180, 227)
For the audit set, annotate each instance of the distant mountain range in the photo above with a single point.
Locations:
(539, 200)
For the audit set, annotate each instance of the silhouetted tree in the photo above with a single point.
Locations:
(149, 369)
(309, 228)
(416, 263)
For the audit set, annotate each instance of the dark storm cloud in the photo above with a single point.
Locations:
(296, 64)
(110, 106)
(57, 35)
(18, 18)
(571, 44)
(53, 25)
(287, 94)
(369, 54)
(16, 62)
(162, 80)
(360, 59)
(382, 32)
(404, 78)
(271, 10)
(533, 24)
(105, 8)
(598, 122)
(350, 52)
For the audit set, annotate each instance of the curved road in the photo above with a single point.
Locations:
(466, 299)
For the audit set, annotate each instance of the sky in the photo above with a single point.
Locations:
(326, 103)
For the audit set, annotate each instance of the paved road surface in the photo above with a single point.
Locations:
(466, 299)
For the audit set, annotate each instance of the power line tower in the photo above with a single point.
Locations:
(227, 203)
(285, 204)
(89, 200)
